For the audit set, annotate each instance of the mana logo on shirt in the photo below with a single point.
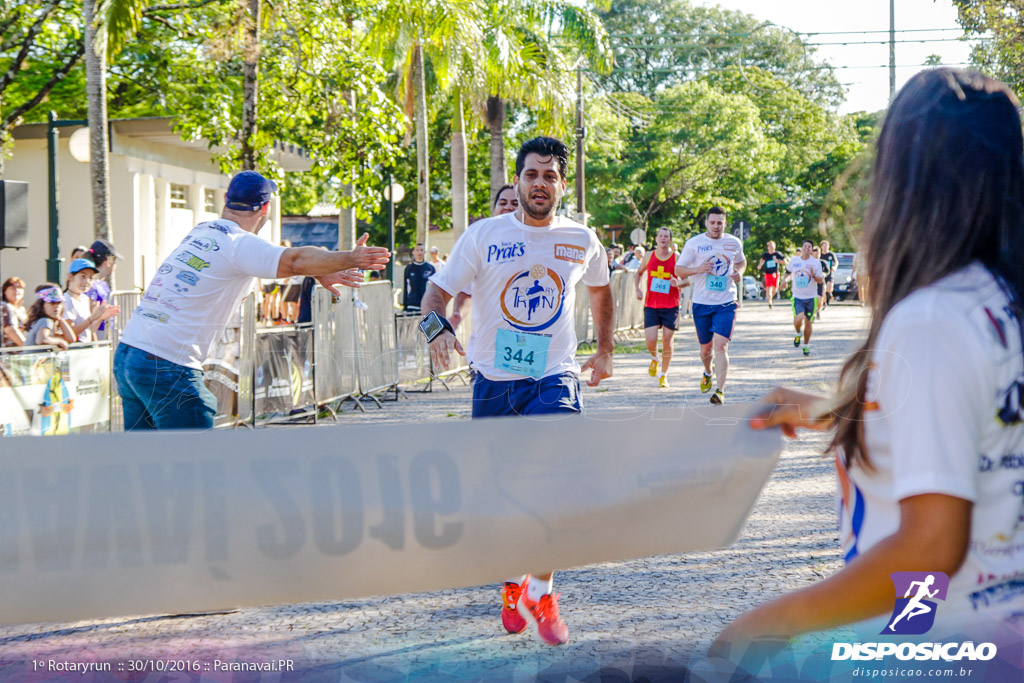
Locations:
(532, 300)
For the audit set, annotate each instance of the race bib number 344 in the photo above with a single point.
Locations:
(521, 353)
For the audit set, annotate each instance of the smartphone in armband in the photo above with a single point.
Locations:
(432, 325)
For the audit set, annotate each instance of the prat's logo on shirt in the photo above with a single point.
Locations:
(704, 248)
(570, 253)
(532, 300)
(192, 261)
(506, 251)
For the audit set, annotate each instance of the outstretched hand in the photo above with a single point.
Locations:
(349, 278)
(369, 258)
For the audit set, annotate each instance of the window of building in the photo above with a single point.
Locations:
(210, 201)
(179, 196)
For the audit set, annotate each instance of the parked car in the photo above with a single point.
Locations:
(752, 288)
(845, 286)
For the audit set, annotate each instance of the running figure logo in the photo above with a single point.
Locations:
(914, 613)
(533, 299)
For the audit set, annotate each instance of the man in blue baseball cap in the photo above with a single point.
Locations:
(158, 363)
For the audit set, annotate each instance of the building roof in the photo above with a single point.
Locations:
(157, 133)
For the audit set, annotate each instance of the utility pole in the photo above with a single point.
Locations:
(581, 133)
(892, 50)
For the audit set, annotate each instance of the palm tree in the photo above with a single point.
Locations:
(529, 49)
(109, 25)
(412, 35)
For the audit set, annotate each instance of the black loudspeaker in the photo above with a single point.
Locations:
(13, 214)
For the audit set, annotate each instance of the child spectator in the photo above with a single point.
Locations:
(77, 304)
(46, 323)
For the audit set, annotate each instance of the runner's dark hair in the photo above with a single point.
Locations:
(716, 210)
(947, 190)
(544, 147)
(497, 195)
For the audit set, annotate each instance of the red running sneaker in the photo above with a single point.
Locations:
(544, 614)
(510, 619)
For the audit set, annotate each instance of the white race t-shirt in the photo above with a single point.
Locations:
(76, 310)
(524, 292)
(717, 287)
(196, 289)
(804, 271)
(947, 361)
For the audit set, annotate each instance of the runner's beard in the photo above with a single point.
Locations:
(538, 215)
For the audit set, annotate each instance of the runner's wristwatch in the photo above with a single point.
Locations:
(432, 325)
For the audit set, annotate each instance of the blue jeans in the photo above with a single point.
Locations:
(159, 394)
(528, 396)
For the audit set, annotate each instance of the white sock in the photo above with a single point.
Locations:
(661, 374)
(537, 588)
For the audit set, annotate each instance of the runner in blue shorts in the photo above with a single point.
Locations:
(714, 262)
(804, 271)
(523, 268)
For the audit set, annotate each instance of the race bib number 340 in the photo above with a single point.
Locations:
(716, 283)
(521, 353)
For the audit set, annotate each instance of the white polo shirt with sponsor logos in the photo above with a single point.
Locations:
(524, 293)
(717, 287)
(197, 288)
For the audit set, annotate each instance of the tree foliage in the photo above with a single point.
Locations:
(1002, 22)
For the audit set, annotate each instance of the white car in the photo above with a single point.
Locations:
(751, 288)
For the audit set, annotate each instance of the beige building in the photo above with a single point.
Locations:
(160, 187)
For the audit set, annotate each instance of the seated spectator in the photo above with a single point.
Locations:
(46, 323)
(77, 304)
(13, 316)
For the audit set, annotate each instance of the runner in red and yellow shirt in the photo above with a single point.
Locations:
(661, 306)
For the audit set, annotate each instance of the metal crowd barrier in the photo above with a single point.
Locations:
(376, 347)
(629, 311)
(334, 347)
(356, 346)
(48, 392)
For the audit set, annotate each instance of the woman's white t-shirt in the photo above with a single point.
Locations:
(944, 415)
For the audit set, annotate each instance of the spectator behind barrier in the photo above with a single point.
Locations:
(78, 308)
(13, 316)
(46, 323)
(104, 255)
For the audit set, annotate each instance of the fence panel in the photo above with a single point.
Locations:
(46, 392)
(333, 347)
(376, 347)
(583, 322)
(283, 382)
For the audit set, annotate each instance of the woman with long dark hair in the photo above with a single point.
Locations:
(930, 406)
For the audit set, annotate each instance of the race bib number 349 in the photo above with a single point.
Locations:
(521, 353)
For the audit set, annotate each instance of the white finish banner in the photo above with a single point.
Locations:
(172, 522)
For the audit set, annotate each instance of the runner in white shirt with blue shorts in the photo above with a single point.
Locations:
(804, 271)
(714, 262)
